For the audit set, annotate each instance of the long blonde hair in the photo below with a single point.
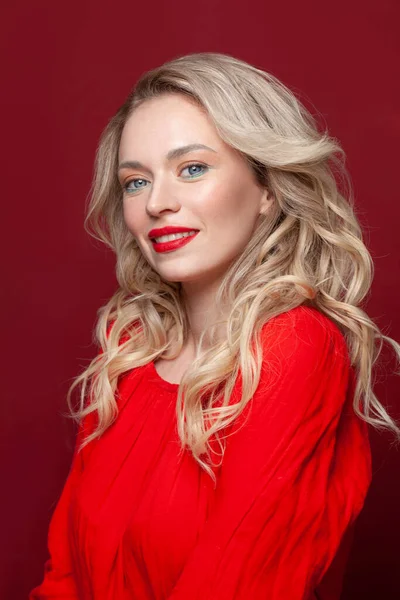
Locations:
(308, 251)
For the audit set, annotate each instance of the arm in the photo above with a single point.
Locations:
(58, 579)
(293, 478)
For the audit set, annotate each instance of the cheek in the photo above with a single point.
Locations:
(131, 218)
(232, 215)
(227, 204)
(216, 202)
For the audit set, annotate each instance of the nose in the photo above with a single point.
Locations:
(161, 198)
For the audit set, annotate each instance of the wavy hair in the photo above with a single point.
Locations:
(308, 250)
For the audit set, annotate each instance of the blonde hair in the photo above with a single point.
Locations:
(308, 250)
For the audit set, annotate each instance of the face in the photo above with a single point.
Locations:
(212, 190)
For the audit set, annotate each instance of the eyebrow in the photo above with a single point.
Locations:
(172, 154)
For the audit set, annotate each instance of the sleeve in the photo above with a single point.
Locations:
(58, 579)
(293, 478)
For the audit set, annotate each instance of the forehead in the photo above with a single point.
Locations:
(171, 119)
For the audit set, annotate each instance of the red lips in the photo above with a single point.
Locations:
(153, 233)
(173, 244)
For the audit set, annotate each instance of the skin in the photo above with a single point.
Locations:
(221, 198)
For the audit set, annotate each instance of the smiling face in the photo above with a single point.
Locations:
(212, 190)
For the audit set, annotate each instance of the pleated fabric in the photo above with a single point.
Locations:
(139, 520)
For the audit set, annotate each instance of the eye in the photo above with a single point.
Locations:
(135, 188)
(192, 166)
(195, 170)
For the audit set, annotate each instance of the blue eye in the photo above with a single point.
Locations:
(195, 165)
(125, 186)
(140, 181)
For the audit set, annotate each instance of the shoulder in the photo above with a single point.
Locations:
(303, 333)
(303, 322)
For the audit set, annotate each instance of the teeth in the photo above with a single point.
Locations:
(173, 236)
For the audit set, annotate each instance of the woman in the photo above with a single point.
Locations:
(223, 448)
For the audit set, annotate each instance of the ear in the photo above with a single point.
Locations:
(266, 201)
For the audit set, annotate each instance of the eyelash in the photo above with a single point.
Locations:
(203, 166)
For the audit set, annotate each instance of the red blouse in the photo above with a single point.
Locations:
(138, 521)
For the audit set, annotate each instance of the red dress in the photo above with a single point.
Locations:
(137, 521)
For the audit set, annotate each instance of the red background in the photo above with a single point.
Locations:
(67, 67)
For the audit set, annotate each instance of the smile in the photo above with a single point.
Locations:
(168, 243)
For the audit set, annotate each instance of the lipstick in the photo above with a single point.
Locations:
(173, 244)
(153, 233)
